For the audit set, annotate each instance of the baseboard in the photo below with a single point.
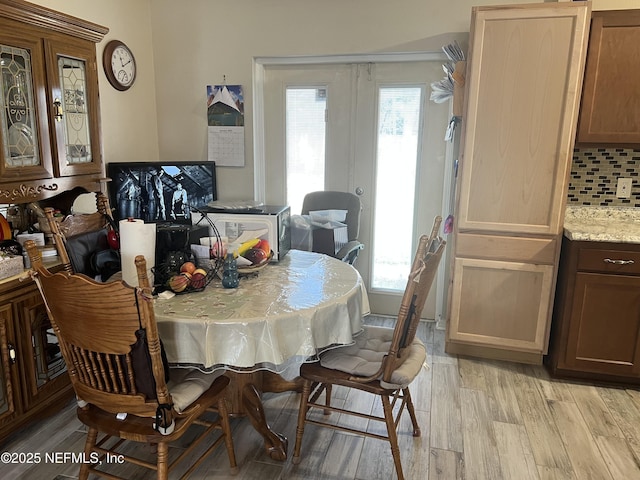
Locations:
(493, 353)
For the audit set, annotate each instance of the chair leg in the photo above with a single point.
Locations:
(327, 393)
(92, 435)
(228, 440)
(302, 416)
(163, 461)
(412, 412)
(393, 436)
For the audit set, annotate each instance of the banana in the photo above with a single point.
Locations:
(242, 249)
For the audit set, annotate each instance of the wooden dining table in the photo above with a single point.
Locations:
(261, 332)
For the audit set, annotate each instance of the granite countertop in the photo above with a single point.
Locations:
(603, 224)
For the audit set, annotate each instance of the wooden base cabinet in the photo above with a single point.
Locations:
(501, 304)
(9, 395)
(501, 293)
(33, 376)
(596, 325)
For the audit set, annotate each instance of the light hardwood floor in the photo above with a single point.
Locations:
(480, 420)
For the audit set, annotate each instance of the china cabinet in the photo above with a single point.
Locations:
(50, 147)
(523, 80)
(610, 109)
(596, 324)
(49, 118)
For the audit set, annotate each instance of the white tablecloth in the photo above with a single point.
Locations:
(287, 314)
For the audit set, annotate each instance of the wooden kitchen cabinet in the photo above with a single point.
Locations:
(596, 323)
(49, 121)
(523, 80)
(9, 395)
(497, 287)
(44, 370)
(610, 108)
(34, 379)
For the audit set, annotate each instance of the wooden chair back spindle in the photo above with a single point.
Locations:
(96, 325)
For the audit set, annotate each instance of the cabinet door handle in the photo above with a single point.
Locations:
(57, 109)
(619, 262)
(12, 353)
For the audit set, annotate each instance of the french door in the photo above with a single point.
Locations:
(366, 128)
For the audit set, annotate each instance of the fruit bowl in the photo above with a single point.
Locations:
(255, 268)
(183, 280)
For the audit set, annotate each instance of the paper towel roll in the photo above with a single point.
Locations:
(137, 238)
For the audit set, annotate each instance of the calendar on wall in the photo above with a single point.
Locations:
(225, 119)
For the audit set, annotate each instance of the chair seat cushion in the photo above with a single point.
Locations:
(365, 357)
(186, 386)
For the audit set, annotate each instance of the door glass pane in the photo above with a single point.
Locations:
(74, 107)
(18, 112)
(305, 142)
(399, 112)
(47, 357)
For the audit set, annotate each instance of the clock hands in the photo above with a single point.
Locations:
(124, 64)
(119, 55)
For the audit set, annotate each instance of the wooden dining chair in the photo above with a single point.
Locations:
(79, 237)
(383, 361)
(109, 340)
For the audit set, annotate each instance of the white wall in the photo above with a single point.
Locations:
(200, 42)
(181, 47)
(614, 4)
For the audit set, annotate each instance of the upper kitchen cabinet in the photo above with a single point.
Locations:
(523, 81)
(49, 120)
(523, 75)
(610, 109)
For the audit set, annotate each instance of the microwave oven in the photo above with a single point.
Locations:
(232, 224)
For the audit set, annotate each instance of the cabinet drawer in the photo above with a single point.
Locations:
(609, 261)
(509, 248)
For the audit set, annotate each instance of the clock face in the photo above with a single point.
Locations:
(119, 65)
(123, 66)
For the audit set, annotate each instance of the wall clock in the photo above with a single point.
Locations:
(119, 65)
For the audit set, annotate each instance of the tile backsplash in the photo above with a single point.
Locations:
(595, 172)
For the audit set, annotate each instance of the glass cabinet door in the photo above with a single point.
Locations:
(25, 143)
(75, 107)
(75, 123)
(42, 360)
(18, 108)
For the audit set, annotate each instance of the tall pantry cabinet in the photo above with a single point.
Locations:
(523, 80)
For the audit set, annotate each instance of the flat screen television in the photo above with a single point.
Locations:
(161, 192)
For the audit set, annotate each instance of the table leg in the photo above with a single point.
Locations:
(244, 399)
(274, 383)
(274, 443)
